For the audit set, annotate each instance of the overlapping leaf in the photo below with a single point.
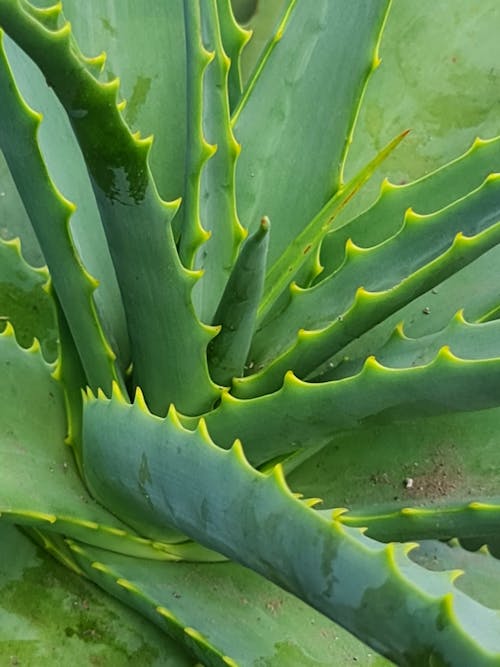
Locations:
(252, 518)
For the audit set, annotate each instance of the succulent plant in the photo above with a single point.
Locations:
(187, 322)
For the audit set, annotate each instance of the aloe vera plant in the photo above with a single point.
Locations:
(188, 321)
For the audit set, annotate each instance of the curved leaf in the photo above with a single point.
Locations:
(444, 89)
(135, 219)
(24, 302)
(49, 211)
(51, 616)
(289, 108)
(303, 414)
(234, 616)
(32, 436)
(256, 520)
(370, 285)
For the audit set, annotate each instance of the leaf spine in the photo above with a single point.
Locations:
(163, 611)
(127, 585)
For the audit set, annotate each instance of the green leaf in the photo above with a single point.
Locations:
(367, 466)
(24, 301)
(465, 340)
(237, 310)
(188, 225)
(255, 519)
(303, 414)
(444, 89)
(51, 616)
(33, 430)
(481, 570)
(235, 616)
(309, 239)
(155, 94)
(371, 284)
(234, 39)
(47, 210)
(301, 89)
(218, 197)
(85, 224)
(424, 196)
(262, 18)
(460, 519)
(135, 219)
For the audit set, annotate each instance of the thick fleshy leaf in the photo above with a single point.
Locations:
(481, 570)
(384, 467)
(304, 414)
(50, 616)
(33, 423)
(465, 340)
(424, 196)
(50, 214)
(15, 222)
(371, 284)
(255, 519)
(236, 313)
(85, 224)
(262, 18)
(302, 120)
(187, 223)
(231, 615)
(24, 302)
(152, 78)
(135, 219)
(234, 39)
(444, 89)
(217, 187)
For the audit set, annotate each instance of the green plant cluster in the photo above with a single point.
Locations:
(189, 321)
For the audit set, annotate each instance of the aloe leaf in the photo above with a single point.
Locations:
(426, 195)
(461, 67)
(198, 150)
(48, 614)
(148, 76)
(370, 465)
(24, 301)
(218, 200)
(234, 39)
(307, 414)
(236, 612)
(284, 103)
(47, 208)
(432, 310)
(71, 374)
(428, 313)
(255, 519)
(480, 580)
(32, 447)
(308, 240)
(460, 519)
(136, 222)
(237, 310)
(465, 339)
(85, 223)
(262, 19)
(359, 295)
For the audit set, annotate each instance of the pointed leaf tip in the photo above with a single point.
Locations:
(116, 393)
(140, 401)
(338, 513)
(173, 417)
(202, 429)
